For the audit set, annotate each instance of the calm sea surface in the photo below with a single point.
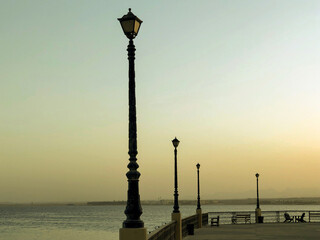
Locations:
(96, 222)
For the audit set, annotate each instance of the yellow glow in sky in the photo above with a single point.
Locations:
(237, 83)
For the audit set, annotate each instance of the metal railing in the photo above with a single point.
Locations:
(269, 216)
(166, 232)
(226, 217)
(205, 219)
(315, 216)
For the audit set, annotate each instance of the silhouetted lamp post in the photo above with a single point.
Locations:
(259, 218)
(130, 25)
(257, 176)
(199, 210)
(198, 204)
(175, 143)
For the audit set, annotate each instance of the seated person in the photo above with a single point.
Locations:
(287, 217)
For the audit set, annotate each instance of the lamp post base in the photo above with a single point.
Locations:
(133, 234)
(257, 214)
(199, 214)
(178, 230)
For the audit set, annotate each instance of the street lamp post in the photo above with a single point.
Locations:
(176, 215)
(257, 176)
(198, 204)
(199, 211)
(175, 143)
(133, 225)
(258, 210)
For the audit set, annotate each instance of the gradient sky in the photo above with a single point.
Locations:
(237, 82)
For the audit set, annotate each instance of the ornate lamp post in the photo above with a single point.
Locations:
(257, 176)
(199, 211)
(259, 218)
(198, 204)
(176, 215)
(175, 143)
(130, 25)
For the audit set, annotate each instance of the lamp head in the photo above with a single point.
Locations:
(257, 175)
(198, 166)
(130, 24)
(175, 142)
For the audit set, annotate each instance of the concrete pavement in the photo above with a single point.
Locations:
(266, 231)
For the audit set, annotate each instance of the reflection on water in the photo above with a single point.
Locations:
(96, 222)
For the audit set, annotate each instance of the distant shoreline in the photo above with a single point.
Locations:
(248, 201)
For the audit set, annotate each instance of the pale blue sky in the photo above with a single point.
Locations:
(236, 81)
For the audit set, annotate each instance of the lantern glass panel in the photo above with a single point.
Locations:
(127, 26)
(136, 27)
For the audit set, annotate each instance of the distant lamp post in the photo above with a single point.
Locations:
(175, 143)
(198, 204)
(257, 176)
(199, 211)
(130, 25)
(259, 218)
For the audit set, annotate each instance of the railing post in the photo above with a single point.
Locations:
(176, 216)
(257, 214)
(199, 217)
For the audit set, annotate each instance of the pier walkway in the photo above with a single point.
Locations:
(266, 231)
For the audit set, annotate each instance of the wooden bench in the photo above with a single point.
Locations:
(245, 217)
(215, 221)
(314, 215)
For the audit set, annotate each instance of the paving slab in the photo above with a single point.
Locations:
(266, 231)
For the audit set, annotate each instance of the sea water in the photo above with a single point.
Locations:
(97, 222)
